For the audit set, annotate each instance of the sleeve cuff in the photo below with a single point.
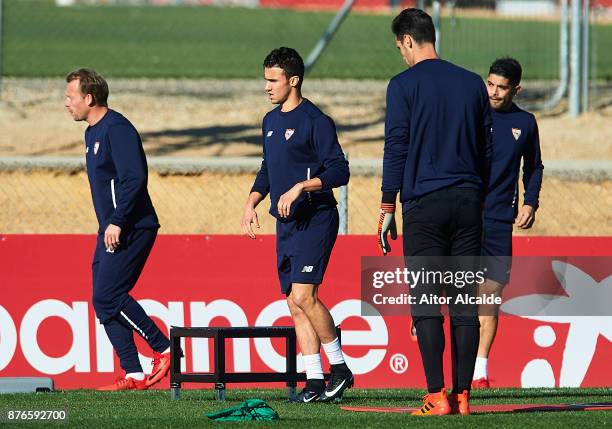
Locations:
(263, 192)
(389, 197)
(116, 220)
(333, 179)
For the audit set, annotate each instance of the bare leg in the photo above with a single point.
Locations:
(488, 317)
(305, 298)
(307, 337)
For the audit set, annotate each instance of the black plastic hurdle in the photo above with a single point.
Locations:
(219, 377)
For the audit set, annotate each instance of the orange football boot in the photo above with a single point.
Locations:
(434, 404)
(460, 403)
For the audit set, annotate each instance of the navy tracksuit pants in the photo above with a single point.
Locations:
(114, 276)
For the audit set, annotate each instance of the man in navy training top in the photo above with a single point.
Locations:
(302, 163)
(437, 145)
(117, 172)
(515, 137)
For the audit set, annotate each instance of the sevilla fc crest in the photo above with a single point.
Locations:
(96, 147)
(288, 133)
(516, 132)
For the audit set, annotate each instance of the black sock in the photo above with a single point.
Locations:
(315, 384)
(464, 350)
(430, 335)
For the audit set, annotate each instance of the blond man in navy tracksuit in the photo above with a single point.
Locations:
(117, 172)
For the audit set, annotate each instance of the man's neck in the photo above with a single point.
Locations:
(96, 114)
(506, 108)
(425, 52)
(293, 101)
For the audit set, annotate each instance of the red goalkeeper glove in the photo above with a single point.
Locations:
(386, 224)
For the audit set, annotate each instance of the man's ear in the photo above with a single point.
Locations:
(90, 100)
(517, 89)
(294, 81)
(407, 41)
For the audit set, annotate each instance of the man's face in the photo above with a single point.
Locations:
(77, 103)
(278, 87)
(501, 93)
(404, 44)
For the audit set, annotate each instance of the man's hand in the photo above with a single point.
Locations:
(111, 237)
(386, 224)
(525, 217)
(288, 198)
(249, 218)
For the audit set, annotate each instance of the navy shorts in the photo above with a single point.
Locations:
(497, 250)
(303, 247)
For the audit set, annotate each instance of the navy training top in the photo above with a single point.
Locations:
(298, 145)
(437, 130)
(515, 137)
(117, 172)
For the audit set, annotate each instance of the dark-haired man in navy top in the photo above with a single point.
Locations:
(117, 172)
(437, 145)
(515, 138)
(302, 163)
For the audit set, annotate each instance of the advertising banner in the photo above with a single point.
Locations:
(554, 329)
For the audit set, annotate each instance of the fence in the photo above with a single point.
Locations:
(40, 38)
(599, 72)
(51, 196)
(176, 61)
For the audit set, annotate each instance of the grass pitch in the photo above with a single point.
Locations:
(41, 39)
(154, 409)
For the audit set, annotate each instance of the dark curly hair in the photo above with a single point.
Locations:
(287, 59)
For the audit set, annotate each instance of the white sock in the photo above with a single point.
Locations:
(333, 352)
(312, 364)
(136, 375)
(166, 351)
(480, 370)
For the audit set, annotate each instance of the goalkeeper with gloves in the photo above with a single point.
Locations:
(437, 144)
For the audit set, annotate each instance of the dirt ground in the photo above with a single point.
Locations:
(191, 119)
(196, 118)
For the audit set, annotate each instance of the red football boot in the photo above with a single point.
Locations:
(481, 383)
(161, 367)
(124, 384)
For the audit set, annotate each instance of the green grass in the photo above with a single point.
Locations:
(154, 409)
(41, 39)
